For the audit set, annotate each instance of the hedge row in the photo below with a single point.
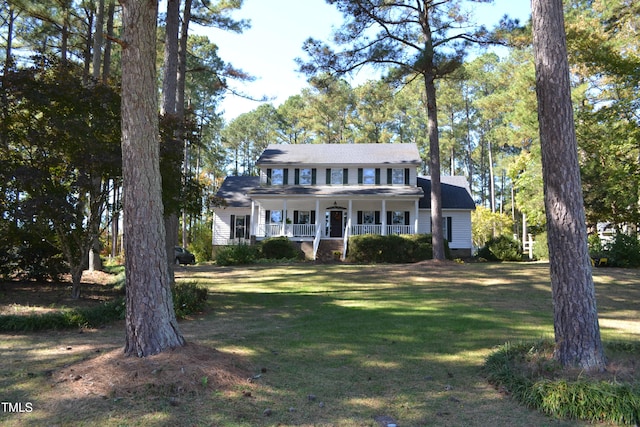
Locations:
(391, 248)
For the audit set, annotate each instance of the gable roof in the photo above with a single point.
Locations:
(234, 190)
(342, 154)
(455, 192)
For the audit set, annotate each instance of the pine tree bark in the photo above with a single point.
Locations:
(168, 109)
(577, 333)
(151, 325)
(437, 233)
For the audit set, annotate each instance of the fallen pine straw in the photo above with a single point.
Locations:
(186, 370)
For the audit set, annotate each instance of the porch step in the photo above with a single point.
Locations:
(326, 250)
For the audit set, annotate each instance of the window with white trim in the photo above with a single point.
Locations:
(275, 217)
(336, 176)
(369, 176)
(304, 217)
(239, 227)
(397, 176)
(305, 176)
(397, 218)
(277, 176)
(368, 217)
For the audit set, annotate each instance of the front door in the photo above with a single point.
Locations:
(335, 224)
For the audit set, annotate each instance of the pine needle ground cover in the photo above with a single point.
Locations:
(313, 345)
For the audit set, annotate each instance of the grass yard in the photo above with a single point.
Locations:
(312, 345)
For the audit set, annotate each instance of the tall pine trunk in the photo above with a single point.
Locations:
(168, 109)
(437, 233)
(151, 325)
(575, 316)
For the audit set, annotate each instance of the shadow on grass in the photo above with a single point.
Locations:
(337, 345)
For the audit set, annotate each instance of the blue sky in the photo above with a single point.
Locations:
(278, 29)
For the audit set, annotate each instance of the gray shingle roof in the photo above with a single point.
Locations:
(237, 190)
(234, 190)
(455, 192)
(338, 191)
(342, 154)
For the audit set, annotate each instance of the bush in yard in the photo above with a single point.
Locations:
(529, 374)
(27, 254)
(540, 247)
(391, 248)
(485, 223)
(594, 243)
(201, 242)
(93, 317)
(503, 248)
(278, 248)
(237, 255)
(623, 251)
(188, 298)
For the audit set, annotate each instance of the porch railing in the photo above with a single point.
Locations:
(310, 230)
(399, 229)
(301, 230)
(359, 229)
(288, 230)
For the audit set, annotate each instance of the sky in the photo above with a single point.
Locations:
(268, 49)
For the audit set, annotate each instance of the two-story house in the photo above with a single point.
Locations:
(315, 192)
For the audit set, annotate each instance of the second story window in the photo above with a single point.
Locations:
(277, 177)
(369, 176)
(397, 176)
(336, 176)
(305, 176)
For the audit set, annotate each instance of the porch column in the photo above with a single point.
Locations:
(349, 214)
(284, 217)
(317, 215)
(415, 220)
(252, 227)
(384, 217)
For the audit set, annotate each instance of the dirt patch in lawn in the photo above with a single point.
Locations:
(172, 374)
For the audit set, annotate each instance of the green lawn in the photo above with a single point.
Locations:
(406, 342)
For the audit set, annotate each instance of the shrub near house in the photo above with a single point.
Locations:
(392, 248)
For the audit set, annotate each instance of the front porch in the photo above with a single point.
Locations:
(304, 220)
(303, 232)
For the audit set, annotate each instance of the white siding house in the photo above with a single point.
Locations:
(315, 192)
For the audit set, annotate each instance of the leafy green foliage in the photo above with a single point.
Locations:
(503, 248)
(486, 224)
(201, 245)
(188, 298)
(237, 255)
(391, 248)
(540, 247)
(623, 251)
(528, 373)
(278, 248)
(65, 319)
(60, 148)
(25, 253)
(595, 245)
